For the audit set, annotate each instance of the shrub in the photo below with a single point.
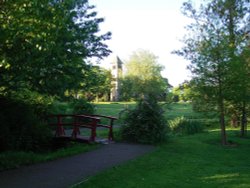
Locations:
(58, 107)
(20, 127)
(39, 103)
(75, 106)
(183, 126)
(144, 124)
(82, 106)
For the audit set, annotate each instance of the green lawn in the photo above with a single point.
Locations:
(181, 109)
(189, 161)
(113, 108)
(184, 161)
(171, 111)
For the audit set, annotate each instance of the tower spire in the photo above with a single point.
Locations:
(116, 71)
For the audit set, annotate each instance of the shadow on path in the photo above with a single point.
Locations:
(63, 173)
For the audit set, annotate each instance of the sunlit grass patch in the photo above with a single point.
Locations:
(187, 161)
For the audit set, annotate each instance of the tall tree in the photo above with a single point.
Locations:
(99, 86)
(143, 76)
(215, 40)
(44, 44)
(236, 21)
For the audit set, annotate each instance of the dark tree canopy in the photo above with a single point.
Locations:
(44, 44)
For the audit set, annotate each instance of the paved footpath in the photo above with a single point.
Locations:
(66, 172)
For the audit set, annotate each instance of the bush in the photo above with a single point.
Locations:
(21, 128)
(75, 106)
(81, 106)
(144, 124)
(39, 103)
(183, 126)
(58, 107)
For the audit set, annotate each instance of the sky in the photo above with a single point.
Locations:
(154, 25)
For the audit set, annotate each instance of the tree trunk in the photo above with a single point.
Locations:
(222, 115)
(222, 123)
(243, 131)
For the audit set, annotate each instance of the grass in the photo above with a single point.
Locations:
(15, 159)
(171, 111)
(113, 108)
(189, 161)
(181, 109)
(185, 110)
(186, 161)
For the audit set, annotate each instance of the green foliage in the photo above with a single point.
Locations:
(81, 106)
(44, 44)
(175, 98)
(183, 126)
(143, 77)
(40, 104)
(58, 107)
(74, 106)
(216, 44)
(98, 85)
(182, 92)
(145, 123)
(21, 129)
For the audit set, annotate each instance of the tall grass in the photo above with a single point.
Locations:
(182, 126)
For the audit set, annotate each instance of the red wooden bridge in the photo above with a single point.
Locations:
(65, 123)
